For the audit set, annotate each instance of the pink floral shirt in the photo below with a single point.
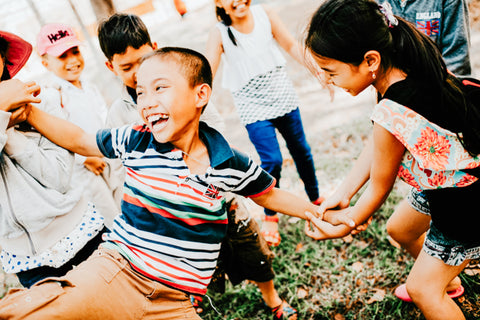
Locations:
(434, 156)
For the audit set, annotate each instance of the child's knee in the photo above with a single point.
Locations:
(394, 230)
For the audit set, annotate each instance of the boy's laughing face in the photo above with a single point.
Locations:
(167, 103)
(125, 65)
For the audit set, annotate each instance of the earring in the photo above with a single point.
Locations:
(374, 76)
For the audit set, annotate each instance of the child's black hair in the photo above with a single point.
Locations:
(345, 30)
(121, 31)
(195, 67)
(223, 17)
(3, 53)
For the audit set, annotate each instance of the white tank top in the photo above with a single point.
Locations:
(255, 53)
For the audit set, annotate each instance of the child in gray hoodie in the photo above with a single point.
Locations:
(46, 226)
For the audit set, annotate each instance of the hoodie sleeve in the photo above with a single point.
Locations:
(4, 119)
(48, 163)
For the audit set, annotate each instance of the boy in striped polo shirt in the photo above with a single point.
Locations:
(164, 246)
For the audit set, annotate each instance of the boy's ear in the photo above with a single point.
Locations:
(110, 67)
(203, 92)
(44, 61)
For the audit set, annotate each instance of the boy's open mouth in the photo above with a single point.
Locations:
(157, 121)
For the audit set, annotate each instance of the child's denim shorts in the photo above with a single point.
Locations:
(450, 251)
(418, 201)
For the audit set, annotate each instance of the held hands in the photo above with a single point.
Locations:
(15, 94)
(95, 164)
(336, 223)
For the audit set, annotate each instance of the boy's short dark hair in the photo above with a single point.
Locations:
(121, 31)
(194, 66)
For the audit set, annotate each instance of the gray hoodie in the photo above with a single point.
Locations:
(38, 206)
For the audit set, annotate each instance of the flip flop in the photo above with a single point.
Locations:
(402, 294)
(272, 237)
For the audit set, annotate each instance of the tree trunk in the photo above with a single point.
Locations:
(103, 8)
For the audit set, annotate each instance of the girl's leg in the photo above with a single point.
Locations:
(264, 137)
(408, 227)
(427, 286)
(291, 128)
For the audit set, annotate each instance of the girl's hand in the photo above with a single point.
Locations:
(319, 229)
(19, 115)
(336, 201)
(95, 164)
(15, 94)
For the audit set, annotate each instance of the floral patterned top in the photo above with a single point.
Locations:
(434, 157)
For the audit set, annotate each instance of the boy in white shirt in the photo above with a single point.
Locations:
(83, 105)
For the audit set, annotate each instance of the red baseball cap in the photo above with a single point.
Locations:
(18, 52)
(55, 39)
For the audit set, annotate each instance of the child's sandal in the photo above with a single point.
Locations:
(272, 237)
(284, 312)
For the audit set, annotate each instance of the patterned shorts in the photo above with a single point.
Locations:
(450, 251)
(418, 201)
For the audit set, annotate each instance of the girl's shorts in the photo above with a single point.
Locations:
(418, 201)
(450, 251)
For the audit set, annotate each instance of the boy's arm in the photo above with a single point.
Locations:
(214, 49)
(285, 202)
(64, 133)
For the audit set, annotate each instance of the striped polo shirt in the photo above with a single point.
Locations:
(173, 222)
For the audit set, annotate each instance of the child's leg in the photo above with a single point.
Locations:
(427, 286)
(408, 227)
(291, 128)
(264, 137)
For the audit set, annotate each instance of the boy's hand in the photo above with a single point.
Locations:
(15, 94)
(319, 229)
(95, 164)
(19, 115)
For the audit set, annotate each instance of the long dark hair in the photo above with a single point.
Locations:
(223, 17)
(345, 30)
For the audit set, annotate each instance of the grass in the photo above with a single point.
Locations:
(351, 278)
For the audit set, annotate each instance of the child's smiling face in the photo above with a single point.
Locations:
(352, 79)
(234, 8)
(68, 66)
(167, 103)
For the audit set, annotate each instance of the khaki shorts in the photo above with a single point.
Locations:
(103, 287)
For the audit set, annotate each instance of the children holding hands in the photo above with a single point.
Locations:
(165, 243)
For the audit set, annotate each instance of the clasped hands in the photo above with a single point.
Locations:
(332, 220)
